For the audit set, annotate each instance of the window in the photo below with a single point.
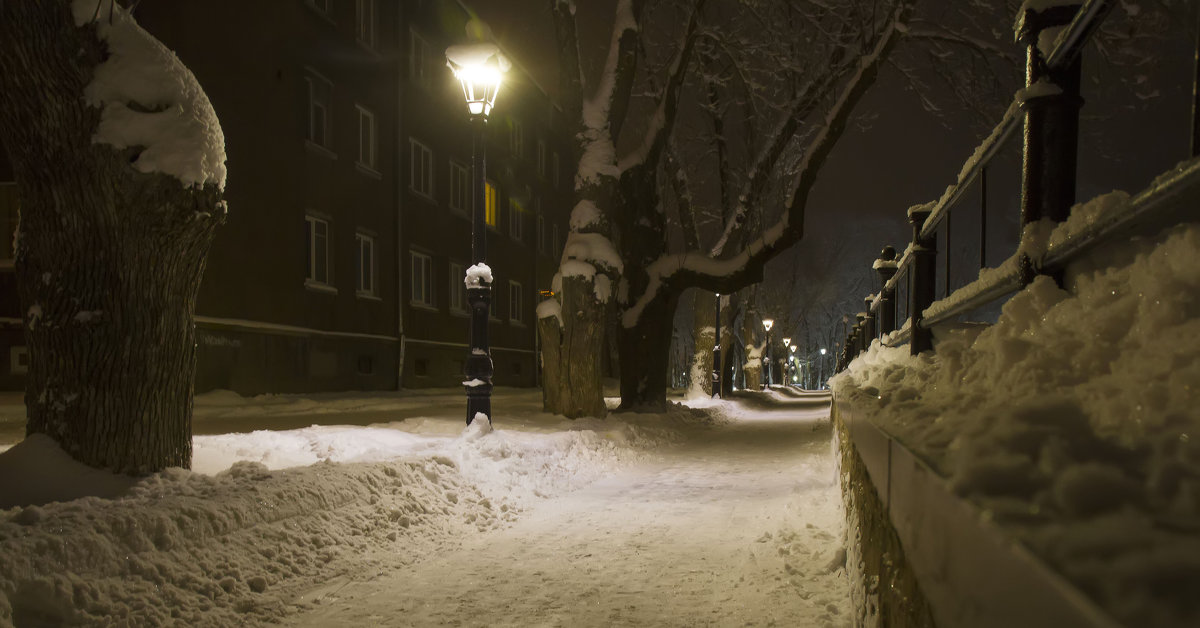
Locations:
(458, 288)
(8, 219)
(490, 204)
(421, 278)
(366, 137)
(18, 360)
(516, 221)
(316, 234)
(366, 364)
(517, 138)
(541, 234)
(319, 93)
(541, 158)
(365, 14)
(516, 300)
(365, 263)
(420, 168)
(460, 187)
(418, 59)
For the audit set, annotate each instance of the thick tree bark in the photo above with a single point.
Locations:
(109, 259)
(573, 353)
(752, 368)
(645, 354)
(704, 335)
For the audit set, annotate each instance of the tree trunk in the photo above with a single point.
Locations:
(754, 352)
(109, 259)
(645, 350)
(729, 312)
(705, 337)
(573, 351)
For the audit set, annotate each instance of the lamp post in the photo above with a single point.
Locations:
(785, 365)
(767, 324)
(717, 352)
(821, 371)
(479, 68)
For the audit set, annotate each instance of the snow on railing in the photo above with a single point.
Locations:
(1038, 27)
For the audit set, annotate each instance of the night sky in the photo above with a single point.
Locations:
(898, 154)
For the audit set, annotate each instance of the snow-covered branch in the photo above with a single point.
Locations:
(696, 269)
(668, 105)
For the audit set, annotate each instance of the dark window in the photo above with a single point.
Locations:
(366, 364)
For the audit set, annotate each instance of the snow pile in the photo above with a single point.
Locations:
(187, 548)
(250, 530)
(151, 100)
(1074, 420)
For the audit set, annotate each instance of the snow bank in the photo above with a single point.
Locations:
(268, 516)
(1073, 420)
(149, 99)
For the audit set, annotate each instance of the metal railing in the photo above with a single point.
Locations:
(1049, 108)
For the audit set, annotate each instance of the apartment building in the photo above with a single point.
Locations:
(349, 154)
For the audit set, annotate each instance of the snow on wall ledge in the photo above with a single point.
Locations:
(173, 121)
(1073, 421)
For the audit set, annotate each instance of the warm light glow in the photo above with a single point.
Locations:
(480, 70)
(792, 348)
(480, 85)
(787, 341)
(768, 322)
(822, 350)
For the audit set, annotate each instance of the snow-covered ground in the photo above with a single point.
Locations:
(722, 514)
(1074, 421)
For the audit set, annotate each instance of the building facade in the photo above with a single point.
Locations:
(340, 266)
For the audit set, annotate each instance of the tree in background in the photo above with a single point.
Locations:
(747, 99)
(120, 167)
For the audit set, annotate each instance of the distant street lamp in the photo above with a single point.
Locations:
(768, 323)
(479, 68)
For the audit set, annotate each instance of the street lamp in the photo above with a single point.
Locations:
(767, 324)
(479, 68)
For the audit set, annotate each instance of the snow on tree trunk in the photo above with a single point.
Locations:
(705, 337)
(573, 335)
(119, 163)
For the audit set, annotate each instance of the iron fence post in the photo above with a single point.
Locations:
(886, 268)
(922, 277)
(1051, 125)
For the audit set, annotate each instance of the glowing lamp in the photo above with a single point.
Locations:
(479, 68)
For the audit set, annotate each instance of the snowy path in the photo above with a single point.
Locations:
(735, 526)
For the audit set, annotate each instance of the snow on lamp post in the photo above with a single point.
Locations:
(767, 324)
(479, 68)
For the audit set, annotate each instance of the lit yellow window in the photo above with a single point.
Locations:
(490, 204)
